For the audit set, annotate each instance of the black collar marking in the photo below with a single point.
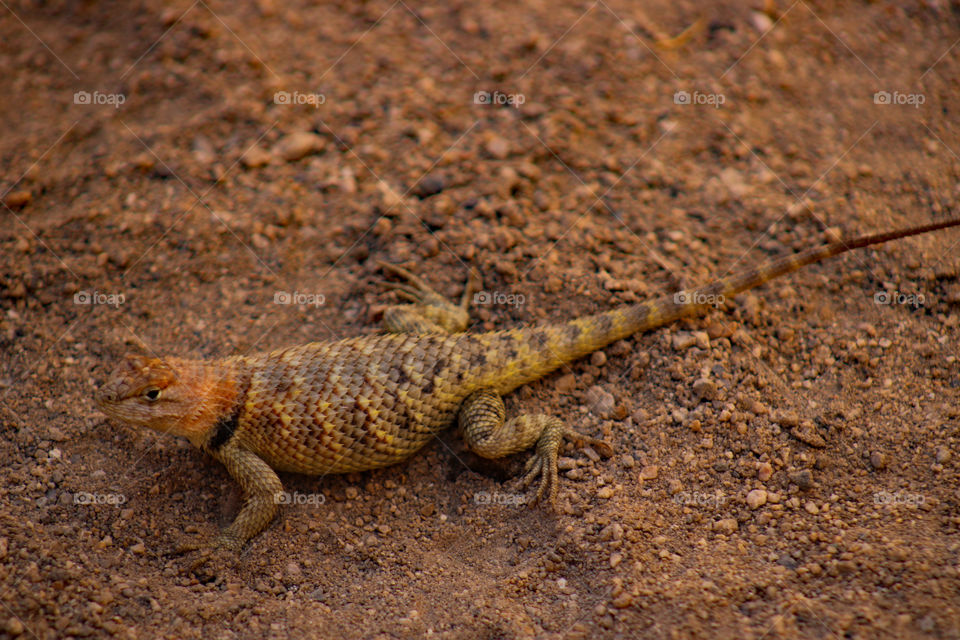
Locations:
(226, 425)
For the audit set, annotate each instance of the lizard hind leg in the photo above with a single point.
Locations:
(428, 311)
(482, 421)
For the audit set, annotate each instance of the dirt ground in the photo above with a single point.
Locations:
(208, 179)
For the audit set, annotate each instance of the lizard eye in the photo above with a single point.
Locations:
(151, 394)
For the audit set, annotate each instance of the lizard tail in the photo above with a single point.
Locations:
(541, 350)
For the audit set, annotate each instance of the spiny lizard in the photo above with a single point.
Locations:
(372, 401)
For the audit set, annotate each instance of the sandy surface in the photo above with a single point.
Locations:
(785, 467)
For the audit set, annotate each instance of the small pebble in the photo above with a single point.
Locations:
(702, 339)
(352, 493)
(431, 184)
(598, 358)
(17, 199)
(811, 507)
(705, 389)
(255, 156)
(649, 472)
(757, 498)
(764, 471)
(726, 526)
(601, 401)
(605, 492)
(683, 341)
(878, 461)
(298, 145)
(14, 626)
(623, 600)
(497, 147)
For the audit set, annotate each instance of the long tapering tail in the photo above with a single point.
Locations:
(541, 350)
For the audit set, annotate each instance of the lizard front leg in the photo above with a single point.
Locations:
(262, 492)
(482, 420)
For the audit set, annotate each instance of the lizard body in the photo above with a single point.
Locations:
(368, 402)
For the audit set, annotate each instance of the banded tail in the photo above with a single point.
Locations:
(539, 351)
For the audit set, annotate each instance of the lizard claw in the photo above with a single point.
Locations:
(543, 463)
(416, 286)
(211, 558)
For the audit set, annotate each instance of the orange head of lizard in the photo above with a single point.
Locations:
(163, 395)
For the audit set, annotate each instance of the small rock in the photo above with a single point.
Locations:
(878, 461)
(611, 532)
(726, 526)
(497, 147)
(807, 434)
(683, 341)
(601, 401)
(138, 549)
(811, 507)
(352, 493)
(623, 600)
(649, 472)
(255, 156)
(802, 478)
(430, 185)
(427, 510)
(598, 358)
(298, 145)
(787, 419)
(565, 464)
(944, 455)
(14, 626)
(757, 498)
(293, 570)
(764, 471)
(702, 339)
(566, 383)
(605, 492)
(705, 389)
(17, 200)
(628, 461)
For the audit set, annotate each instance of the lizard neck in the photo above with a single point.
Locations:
(219, 389)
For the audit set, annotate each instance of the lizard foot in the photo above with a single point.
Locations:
(208, 561)
(543, 463)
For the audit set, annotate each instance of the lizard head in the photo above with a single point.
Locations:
(163, 395)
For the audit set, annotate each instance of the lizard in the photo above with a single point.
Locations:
(367, 402)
